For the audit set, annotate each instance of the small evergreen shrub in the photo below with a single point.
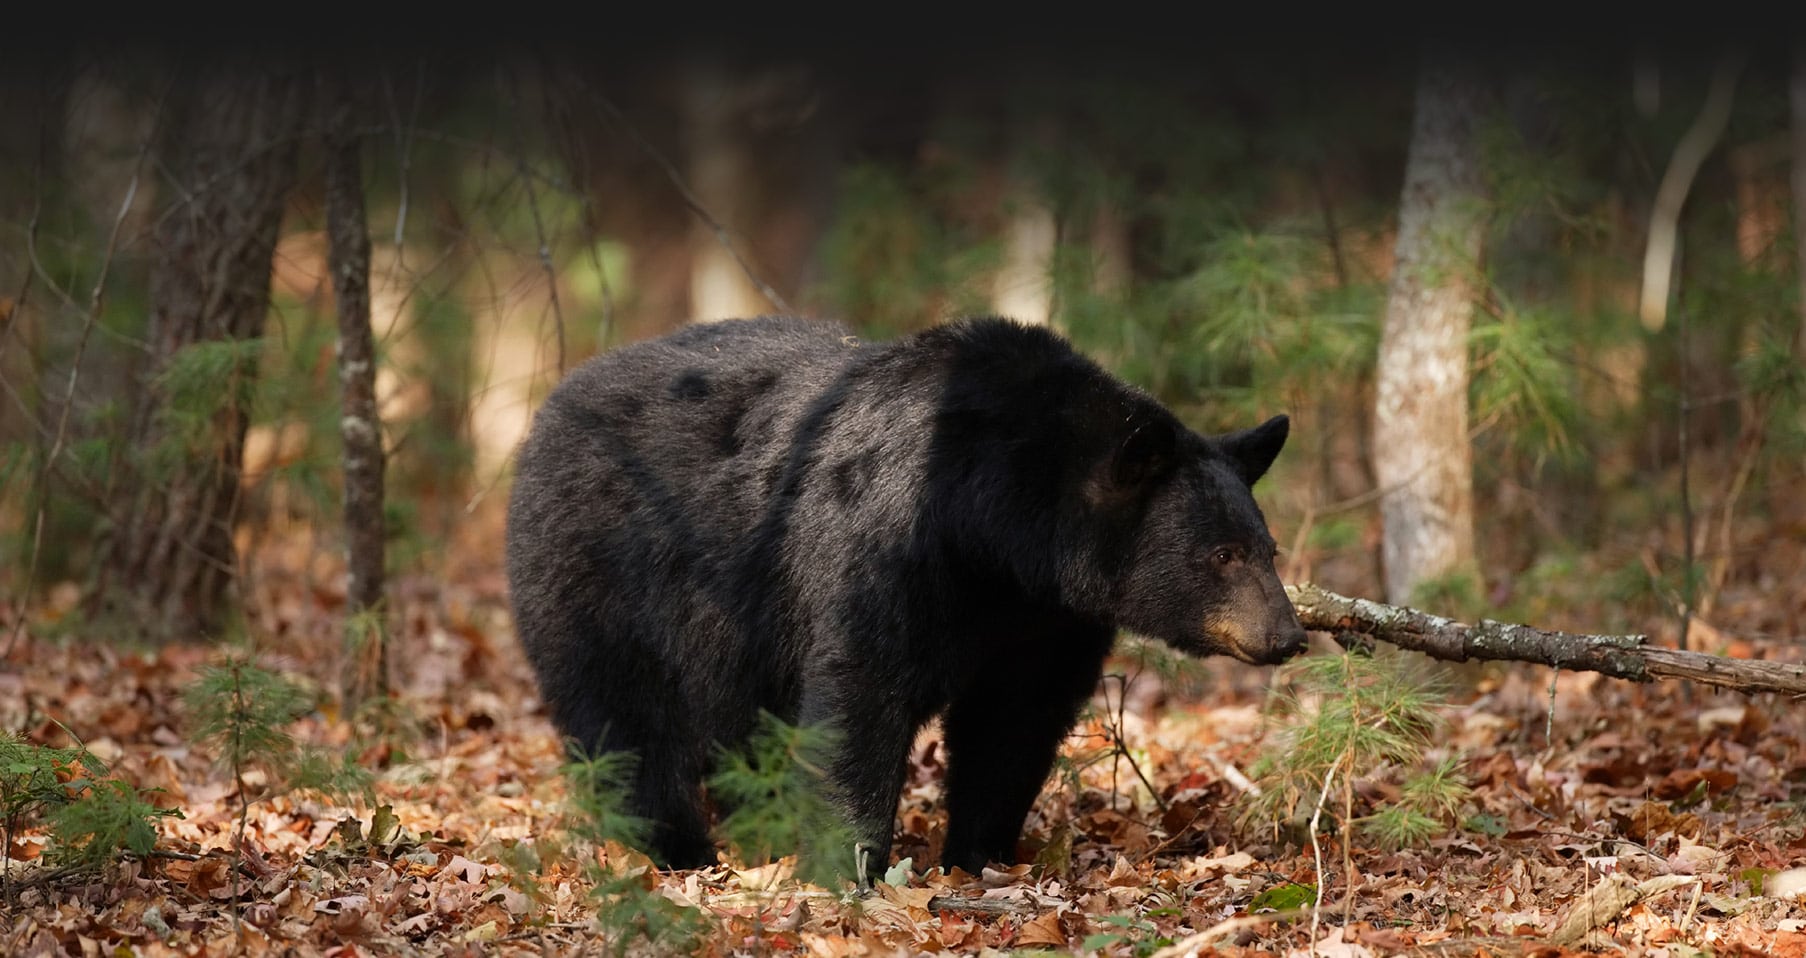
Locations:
(1353, 719)
(91, 816)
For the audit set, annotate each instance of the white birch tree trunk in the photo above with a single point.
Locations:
(1421, 452)
(722, 174)
(1023, 288)
(755, 167)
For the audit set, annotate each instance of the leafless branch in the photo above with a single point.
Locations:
(96, 298)
(544, 245)
(1619, 656)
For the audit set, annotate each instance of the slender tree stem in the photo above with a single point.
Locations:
(96, 300)
(1329, 779)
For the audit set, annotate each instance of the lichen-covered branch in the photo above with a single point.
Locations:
(1620, 656)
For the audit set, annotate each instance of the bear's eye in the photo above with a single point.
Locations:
(1222, 556)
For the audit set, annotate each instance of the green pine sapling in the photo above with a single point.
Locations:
(242, 712)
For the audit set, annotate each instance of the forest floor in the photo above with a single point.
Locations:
(1582, 788)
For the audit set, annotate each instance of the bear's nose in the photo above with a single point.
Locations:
(1290, 641)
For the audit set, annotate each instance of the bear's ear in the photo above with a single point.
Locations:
(1252, 451)
(1145, 455)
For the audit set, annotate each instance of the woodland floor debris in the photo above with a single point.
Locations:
(1692, 804)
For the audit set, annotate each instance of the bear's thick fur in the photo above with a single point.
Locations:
(770, 514)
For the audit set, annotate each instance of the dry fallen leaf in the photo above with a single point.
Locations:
(766, 876)
(906, 896)
(1043, 929)
(1221, 864)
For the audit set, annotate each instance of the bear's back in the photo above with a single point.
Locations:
(668, 444)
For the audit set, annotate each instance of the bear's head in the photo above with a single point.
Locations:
(1192, 562)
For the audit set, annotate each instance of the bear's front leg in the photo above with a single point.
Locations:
(866, 769)
(1001, 738)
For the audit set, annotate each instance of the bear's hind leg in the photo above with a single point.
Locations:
(666, 779)
(667, 794)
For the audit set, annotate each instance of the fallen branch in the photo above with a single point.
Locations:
(982, 906)
(1619, 656)
(1222, 929)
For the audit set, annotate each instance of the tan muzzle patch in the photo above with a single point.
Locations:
(1232, 638)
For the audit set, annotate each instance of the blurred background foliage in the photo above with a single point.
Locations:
(1222, 233)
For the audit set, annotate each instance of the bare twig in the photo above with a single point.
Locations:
(577, 161)
(607, 322)
(1329, 779)
(1689, 594)
(404, 144)
(1120, 748)
(1380, 492)
(96, 298)
(1189, 945)
(544, 244)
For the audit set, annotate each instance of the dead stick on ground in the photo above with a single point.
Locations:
(1192, 944)
(1619, 656)
(982, 906)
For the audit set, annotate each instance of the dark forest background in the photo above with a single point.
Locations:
(1217, 221)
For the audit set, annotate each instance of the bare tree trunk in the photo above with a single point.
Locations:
(1782, 496)
(360, 426)
(749, 132)
(1796, 88)
(169, 561)
(720, 171)
(1762, 211)
(1023, 289)
(1024, 286)
(1664, 219)
(1422, 455)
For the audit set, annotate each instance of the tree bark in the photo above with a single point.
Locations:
(169, 560)
(360, 426)
(757, 154)
(1421, 452)
(1023, 288)
(1619, 656)
(1796, 90)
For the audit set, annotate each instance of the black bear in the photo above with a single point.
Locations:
(770, 514)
